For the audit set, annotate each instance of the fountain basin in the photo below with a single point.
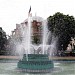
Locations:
(36, 63)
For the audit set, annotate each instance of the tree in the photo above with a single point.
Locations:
(3, 41)
(62, 26)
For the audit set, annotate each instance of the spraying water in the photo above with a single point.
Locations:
(45, 34)
(26, 32)
(29, 35)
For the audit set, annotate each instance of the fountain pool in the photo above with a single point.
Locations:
(60, 68)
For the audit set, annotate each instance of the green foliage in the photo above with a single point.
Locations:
(62, 26)
(36, 39)
(3, 41)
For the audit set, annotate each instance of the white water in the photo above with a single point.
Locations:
(29, 35)
(45, 36)
(26, 46)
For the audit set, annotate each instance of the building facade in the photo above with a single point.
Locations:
(36, 27)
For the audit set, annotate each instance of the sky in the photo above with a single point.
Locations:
(14, 12)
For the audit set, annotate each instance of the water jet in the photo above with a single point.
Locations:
(36, 56)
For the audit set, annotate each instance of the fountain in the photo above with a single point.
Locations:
(35, 54)
(36, 63)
